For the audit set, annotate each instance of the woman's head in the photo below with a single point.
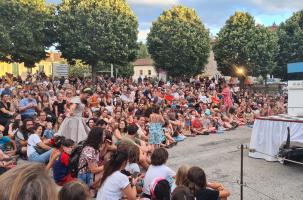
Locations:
(117, 162)
(122, 126)
(95, 138)
(38, 129)
(181, 193)
(181, 177)
(75, 190)
(159, 157)
(133, 154)
(27, 182)
(197, 177)
(160, 189)
(91, 123)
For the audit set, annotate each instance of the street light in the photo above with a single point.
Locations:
(240, 71)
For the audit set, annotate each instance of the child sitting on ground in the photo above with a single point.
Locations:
(60, 169)
(48, 132)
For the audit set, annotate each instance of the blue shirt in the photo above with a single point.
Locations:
(3, 142)
(48, 134)
(30, 111)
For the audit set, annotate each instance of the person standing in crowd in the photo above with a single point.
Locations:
(227, 97)
(156, 134)
(28, 105)
(74, 126)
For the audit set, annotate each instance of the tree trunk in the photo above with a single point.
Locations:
(94, 73)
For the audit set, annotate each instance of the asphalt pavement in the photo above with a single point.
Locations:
(219, 155)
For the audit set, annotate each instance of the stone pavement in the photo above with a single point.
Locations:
(219, 156)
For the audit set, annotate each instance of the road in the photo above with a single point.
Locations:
(219, 156)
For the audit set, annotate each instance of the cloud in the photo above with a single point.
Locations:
(153, 2)
(274, 6)
(142, 35)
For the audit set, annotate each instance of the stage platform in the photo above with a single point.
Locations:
(270, 132)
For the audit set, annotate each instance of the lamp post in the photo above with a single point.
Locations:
(241, 72)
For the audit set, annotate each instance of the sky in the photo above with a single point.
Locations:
(213, 13)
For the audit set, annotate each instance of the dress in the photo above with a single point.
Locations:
(74, 127)
(227, 98)
(156, 135)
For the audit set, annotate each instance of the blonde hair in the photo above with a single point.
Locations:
(27, 182)
(181, 177)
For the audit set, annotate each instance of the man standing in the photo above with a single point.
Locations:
(28, 106)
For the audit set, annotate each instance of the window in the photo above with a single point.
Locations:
(141, 72)
(149, 72)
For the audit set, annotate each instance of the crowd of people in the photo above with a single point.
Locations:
(109, 138)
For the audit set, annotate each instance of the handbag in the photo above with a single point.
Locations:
(40, 150)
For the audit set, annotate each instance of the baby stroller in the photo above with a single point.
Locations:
(290, 150)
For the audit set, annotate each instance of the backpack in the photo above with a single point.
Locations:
(73, 162)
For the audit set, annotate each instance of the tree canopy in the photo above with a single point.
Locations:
(142, 51)
(242, 43)
(179, 43)
(97, 31)
(26, 30)
(291, 43)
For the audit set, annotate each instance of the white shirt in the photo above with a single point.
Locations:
(132, 168)
(113, 187)
(32, 141)
(157, 172)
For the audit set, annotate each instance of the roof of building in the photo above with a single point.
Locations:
(144, 62)
(54, 57)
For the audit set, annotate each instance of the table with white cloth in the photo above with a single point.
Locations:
(270, 132)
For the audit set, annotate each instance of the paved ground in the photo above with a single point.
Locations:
(219, 156)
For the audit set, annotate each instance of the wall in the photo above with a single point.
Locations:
(145, 70)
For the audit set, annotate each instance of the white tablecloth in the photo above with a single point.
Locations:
(269, 134)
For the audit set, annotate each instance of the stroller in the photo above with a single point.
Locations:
(290, 150)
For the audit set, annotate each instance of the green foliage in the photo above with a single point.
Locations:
(97, 30)
(291, 43)
(179, 43)
(25, 30)
(241, 43)
(142, 51)
(79, 69)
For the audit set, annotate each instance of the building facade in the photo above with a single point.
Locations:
(18, 69)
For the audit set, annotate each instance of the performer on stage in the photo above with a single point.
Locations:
(74, 126)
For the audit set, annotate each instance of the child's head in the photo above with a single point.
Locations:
(197, 176)
(133, 154)
(159, 157)
(182, 193)
(74, 191)
(181, 177)
(160, 189)
(49, 125)
(67, 145)
(57, 141)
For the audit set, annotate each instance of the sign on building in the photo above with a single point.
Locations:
(60, 70)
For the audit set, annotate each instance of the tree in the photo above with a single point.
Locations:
(290, 35)
(142, 51)
(25, 30)
(179, 43)
(79, 69)
(97, 31)
(242, 43)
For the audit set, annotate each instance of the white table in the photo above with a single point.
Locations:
(270, 132)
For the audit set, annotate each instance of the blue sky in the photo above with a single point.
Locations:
(213, 13)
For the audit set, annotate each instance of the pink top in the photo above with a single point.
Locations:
(227, 97)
